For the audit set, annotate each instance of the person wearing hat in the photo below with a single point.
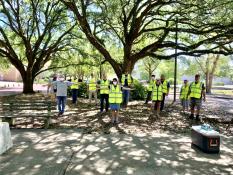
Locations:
(184, 98)
(157, 97)
(196, 93)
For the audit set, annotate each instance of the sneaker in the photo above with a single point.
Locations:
(191, 116)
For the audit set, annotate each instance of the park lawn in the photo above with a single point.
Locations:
(222, 92)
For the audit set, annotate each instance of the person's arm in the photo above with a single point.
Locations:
(69, 83)
(189, 92)
(168, 88)
(180, 91)
(49, 85)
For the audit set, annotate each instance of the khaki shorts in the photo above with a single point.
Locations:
(195, 102)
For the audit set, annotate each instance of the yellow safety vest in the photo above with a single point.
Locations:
(196, 90)
(151, 84)
(104, 87)
(75, 85)
(128, 78)
(157, 93)
(92, 85)
(115, 95)
(184, 92)
(164, 86)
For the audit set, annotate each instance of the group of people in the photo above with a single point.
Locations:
(115, 94)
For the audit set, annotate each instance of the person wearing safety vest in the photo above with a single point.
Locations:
(165, 86)
(74, 90)
(150, 88)
(115, 99)
(127, 82)
(157, 96)
(92, 89)
(104, 93)
(184, 98)
(196, 93)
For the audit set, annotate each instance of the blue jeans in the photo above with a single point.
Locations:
(61, 102)
(74, 95)
(125, 97)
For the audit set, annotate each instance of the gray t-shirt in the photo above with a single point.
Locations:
(62, 87)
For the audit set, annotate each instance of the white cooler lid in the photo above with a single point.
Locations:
(202, 131)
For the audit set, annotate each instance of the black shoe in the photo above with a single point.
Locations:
(197, 118)
(191, 116)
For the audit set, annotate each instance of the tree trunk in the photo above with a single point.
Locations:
(207, 81)
(28, 81)
(207, 73)
(211, 76)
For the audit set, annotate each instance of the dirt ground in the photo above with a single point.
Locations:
(138, 118)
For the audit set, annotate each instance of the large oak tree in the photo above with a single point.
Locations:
(31, 33)
(142, 28)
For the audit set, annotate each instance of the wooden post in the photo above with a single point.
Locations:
(48, 120)
(11, 120)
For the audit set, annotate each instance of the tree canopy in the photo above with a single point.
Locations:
(31, 32)
(141, 28)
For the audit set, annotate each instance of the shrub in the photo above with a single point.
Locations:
(82, 92)
(139, 91)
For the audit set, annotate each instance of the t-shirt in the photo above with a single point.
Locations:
(126, 84)
(62, 87)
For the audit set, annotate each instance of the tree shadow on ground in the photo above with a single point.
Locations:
(137, 118)
(71, 152)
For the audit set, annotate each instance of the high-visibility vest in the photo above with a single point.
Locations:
(157, 93)
(104, 87)
(164, 86)
(196, 90)
(129, 79)
(151, 84)
(184, 92)
(92, 85)
(75, 85)
(115, 95)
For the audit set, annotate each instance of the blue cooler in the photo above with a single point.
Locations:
(206, 138)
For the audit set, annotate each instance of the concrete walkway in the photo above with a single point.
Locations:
(69, 152)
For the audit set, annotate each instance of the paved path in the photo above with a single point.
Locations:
(17, 88)
(69, 152)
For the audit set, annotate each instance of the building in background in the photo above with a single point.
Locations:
(11, 74)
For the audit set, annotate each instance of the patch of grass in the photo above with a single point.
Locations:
(223, 92)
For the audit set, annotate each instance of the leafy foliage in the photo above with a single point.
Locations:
(139, 92)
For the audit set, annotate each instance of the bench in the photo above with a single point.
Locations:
(27, 108)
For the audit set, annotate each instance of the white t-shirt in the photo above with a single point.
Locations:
(62, 87)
